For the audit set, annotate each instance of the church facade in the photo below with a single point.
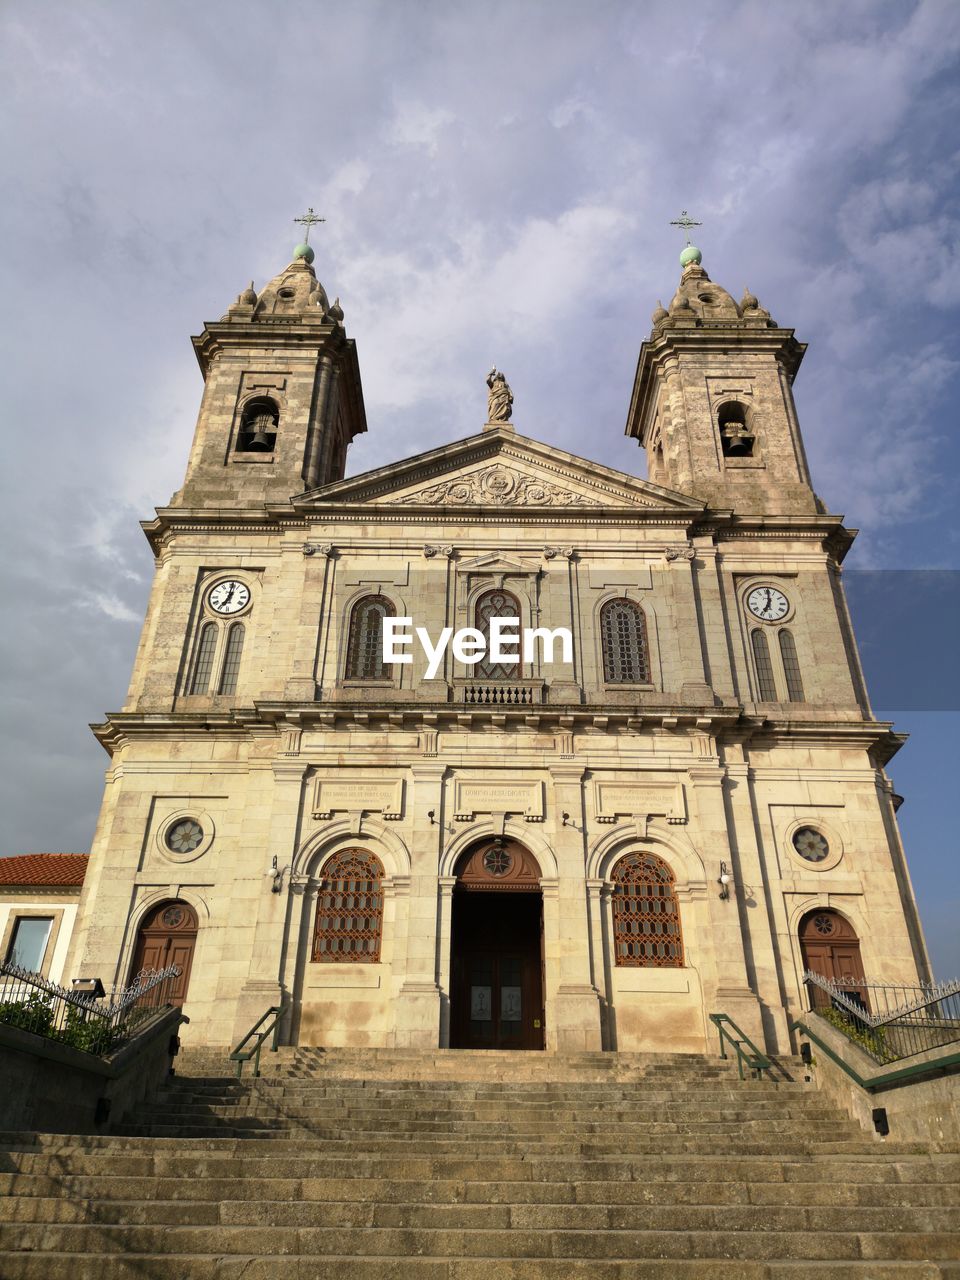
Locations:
(675, 816)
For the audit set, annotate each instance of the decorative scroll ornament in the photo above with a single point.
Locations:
(498, 486)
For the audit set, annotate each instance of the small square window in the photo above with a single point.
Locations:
(29, 942)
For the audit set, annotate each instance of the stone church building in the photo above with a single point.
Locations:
(672, 819)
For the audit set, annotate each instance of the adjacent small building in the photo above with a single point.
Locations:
(39, 896)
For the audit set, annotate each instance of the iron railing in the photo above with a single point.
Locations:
(251, 1044)
(748, 1055)
(890, 1021)
(34, 1003)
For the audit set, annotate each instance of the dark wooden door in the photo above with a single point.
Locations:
(497, 982)
(831, 948)
(168, 936)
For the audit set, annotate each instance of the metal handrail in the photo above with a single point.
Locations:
(259, 1032)
(889, 1021)
(90, 1023)
(756, 1061)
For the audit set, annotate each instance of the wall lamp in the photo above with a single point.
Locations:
(566, 818)
(724, 880)
(432, 815)
(278, 873)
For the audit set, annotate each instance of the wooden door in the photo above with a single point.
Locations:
(168, 935)
(497, 984)
(831, 948)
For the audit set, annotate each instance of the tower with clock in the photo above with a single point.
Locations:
(682, 815)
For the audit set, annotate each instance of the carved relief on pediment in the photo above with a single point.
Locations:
(499, 486)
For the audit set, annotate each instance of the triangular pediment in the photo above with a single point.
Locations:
(500, 470)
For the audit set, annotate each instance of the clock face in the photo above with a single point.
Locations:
(768, 604)
(229, 596)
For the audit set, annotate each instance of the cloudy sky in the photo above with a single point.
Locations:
(498, 182)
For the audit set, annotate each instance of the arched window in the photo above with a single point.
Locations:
(350, 909)
(365, 644)
(646, 917)
(496, 604)
(761, 659)
(258, 426)
(736, 437)
(791, 666)
(623, 639)
(231, 660)
(203, 664)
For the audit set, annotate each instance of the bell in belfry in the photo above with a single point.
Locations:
(262, 431)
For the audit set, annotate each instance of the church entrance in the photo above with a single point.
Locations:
(497, 949)
(168, 935)
(831, 948)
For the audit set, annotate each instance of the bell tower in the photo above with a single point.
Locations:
(282, 397)
(712, 401)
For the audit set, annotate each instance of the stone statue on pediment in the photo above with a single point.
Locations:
(500, 398)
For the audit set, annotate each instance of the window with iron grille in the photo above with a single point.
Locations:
(231, 660)
(496, 604)
(203, 665)
(350, 909)
(761, 660)
(365, 644)
(646, 917)
(623, 638)
(791, 666)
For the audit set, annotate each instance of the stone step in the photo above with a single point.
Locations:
(105, 1188)
(438, 1214)
(235, 1159)
(68, 1266)
(488, 1242)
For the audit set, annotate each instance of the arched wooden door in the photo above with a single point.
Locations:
(168, 935)
(830, 947)
(497, 949)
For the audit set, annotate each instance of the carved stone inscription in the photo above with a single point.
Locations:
(498, 797)
(626, 799)
(371, 795)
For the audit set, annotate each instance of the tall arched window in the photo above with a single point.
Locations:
(646, 917)
(365, 643)
(623, 639)
(231, 659)
(203, 664)
(349, 922)
(496, 604)
(791, 666)
(766, 687)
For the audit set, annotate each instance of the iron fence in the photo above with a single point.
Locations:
(889, 1020)
(95, 1025)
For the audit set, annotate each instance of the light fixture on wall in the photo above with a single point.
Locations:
(566, 818)
(432, 815)
(724, 880)
(278, 873)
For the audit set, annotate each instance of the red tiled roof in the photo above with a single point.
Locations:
(44, 868)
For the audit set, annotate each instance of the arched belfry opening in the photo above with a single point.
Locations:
(497, 948)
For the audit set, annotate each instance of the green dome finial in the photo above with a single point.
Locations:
(305, 252)
(691, 254)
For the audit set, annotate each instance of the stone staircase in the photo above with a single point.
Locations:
(392, 1165)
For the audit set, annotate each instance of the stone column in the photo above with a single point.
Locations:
(576, 1011)
(732, 993)
(263, 985)
(751, 881)
(445, 887)
(301, 685)
(598, 897)
(417, 1008)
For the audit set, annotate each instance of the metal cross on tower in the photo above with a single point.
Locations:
(685, 222)
(308, 220)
